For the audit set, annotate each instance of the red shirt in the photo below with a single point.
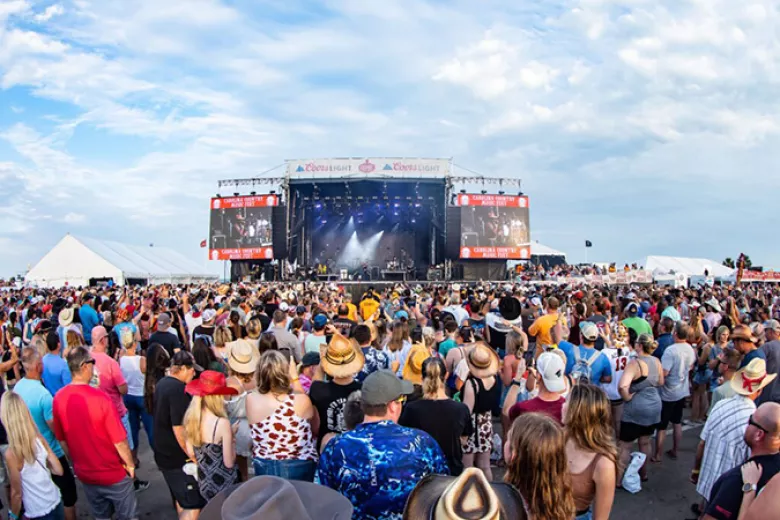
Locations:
(552, 408)
(85, 418)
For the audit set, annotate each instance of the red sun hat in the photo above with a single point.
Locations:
(210, 382)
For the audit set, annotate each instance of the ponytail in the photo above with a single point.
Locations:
(434, 375)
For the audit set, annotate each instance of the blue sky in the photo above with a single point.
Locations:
(645, 126)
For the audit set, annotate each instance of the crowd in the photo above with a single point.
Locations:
(305, 401)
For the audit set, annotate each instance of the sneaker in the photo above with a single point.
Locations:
(140, 485)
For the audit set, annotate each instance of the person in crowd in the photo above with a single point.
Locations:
(398, 346)
(242, 362)
(552, 383)
(165, 335)
(205, 357)
(88, 427)
(343, 323)
(747, 344)
(89, 316)
(771, 348)
(448, 342)
(55, 369)
(412, 371)
(40, 404)
(206, 329)
(315, 340)
(736, 489)
(542, 327)
(222, 336)
(286, 342)
(632, 321)
(480, 394)
(375, 358)
(281, 421)
(133, 368)
(456, 364)
(728, 365)
(591, 451)
(170, 446)
(267, 342)
(379, 487)
(308, 370)
(208, 434)
(124, 321)
(723, 445)
(677, 363)
(30, 463)
(535, 453)
(342, 362)
(157, 364)
(447, 421)
(642, 407)
(665, 338)
(618, 353)
(584, 362)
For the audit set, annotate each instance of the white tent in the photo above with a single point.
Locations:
(686, 266)
(75, 261)
(538, 249)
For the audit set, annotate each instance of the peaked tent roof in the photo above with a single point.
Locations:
(538, 249)
(687, 266)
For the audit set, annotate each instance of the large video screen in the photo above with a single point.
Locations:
(494, 227)
(241, 229)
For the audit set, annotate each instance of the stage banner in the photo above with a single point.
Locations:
(756, 276)
(368, 167)
(241, 228)
(494, 227)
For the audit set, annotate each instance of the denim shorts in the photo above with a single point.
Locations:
(287, 469)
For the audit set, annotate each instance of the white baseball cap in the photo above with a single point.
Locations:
(552, 369)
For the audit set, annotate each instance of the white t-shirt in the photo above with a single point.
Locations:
(678, 360)
(618, 361)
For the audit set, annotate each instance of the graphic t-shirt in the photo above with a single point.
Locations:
(375, 360)
(329, 399)
(377, 465)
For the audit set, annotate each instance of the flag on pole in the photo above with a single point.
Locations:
(588, 243)
(202, 243)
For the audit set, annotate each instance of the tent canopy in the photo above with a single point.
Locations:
(686, 266)
(77, 260)
(538, 249)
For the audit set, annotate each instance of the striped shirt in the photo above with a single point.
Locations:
(724, 440)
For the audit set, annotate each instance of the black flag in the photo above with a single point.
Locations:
(588, 243)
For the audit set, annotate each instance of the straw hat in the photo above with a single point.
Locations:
(743, 332)
(243, 356)
(752, 378)
(66, 317)
(414, 361)
(482, 361)
(341, 358)
(469, 496)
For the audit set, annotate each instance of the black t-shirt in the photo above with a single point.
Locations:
(446, 421)
(329, 400)
(345, 326)
(170, 405)
(167, 340)
(726, 495)
(203, 332)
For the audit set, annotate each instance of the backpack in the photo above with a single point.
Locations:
(582, 371)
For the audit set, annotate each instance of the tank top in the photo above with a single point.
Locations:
(283, 435)
(39, 494)
(484, 400)
(584, 487)
(213, 475)
(644, 408)
(131, 370)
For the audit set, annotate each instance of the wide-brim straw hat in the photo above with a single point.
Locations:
(482, 361)
(469, 496)
(752, 378)
(412, 371)
(243, 356)
(341, 358)
(743, 332)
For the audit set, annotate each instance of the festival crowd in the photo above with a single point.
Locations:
(282, 401)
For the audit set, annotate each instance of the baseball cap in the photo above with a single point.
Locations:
(164, 320)
(209, 314)
(402, 315)
(320, 320)
(589, 330)
(300, 309)
(551, 368)
(773, 325)
(384, 387)
(310, 359)
(184, 359)
(284, 307)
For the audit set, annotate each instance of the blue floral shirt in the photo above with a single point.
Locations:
(377, 465)
(375, 360)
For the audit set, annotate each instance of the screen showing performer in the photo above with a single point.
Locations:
(241, 228)
(494, 227)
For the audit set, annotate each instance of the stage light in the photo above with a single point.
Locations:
(235, 194)
(318, 206)
(417, 205)
(396, 205)
(414, 221)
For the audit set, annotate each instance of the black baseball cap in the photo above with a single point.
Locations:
(184, 359)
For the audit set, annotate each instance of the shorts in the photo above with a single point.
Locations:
(66, 483)
(184, 489)
(117, 499)
(3, 471)
(671, 412)
(629, 432)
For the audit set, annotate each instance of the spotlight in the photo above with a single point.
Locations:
(235, 194)
(318, 206)
(414, 220)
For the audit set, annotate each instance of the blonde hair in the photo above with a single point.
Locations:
(433, 379)
(127, 338)
(400, 331)
(538, 467)
(589, 423)
(222, 336)
(514, 343)
(22, 432)
(73, 339)
(213, 403)
(272, 374)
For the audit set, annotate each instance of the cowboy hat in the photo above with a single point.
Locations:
(341, 358)
(751, 378)
(469, 496)
(210, 382)
(713, 302)
(66, 317)
(414, 361)
(243, 356)
(744, 333)
(274, 498)
(482, 361)
(509, 307)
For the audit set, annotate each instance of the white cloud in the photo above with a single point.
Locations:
(12, 7)
(74, 218)
(50, 12)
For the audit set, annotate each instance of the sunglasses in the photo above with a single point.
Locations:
(751, 422)
(88, 362)
(401, 399)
